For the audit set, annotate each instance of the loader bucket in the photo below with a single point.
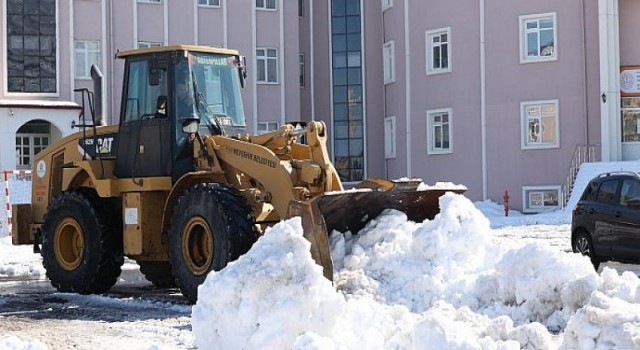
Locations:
(351, 210)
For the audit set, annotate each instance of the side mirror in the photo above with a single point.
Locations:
(241, 63)
(190, 126)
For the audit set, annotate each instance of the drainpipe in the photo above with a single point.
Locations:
(483, 103)
(407, 62)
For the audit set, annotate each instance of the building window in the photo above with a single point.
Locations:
(267, 64)
(540, 198)
(86, 54)
(538, 38)
(438, 51)
(540, 124)
(300, 8)
(389, 62)
(301, 67)
(630, 110)
(266, 4)
(390, 137)
(439, 131)
(31, 138)
(386, 4)
(265, 127)
(211, 3)
(148, 44)
(347, 91)
(31, 46)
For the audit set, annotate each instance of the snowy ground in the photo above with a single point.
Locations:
(460, 281)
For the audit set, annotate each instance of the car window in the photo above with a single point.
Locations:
(630, 190)
(607, 192)
(590, 191)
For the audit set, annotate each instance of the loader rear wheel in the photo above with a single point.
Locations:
(82, 243)
(211, 226)
(158, 273)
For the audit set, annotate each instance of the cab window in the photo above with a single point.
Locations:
(143, 98)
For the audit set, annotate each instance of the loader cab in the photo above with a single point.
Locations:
(163, 89)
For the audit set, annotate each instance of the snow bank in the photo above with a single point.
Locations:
(15, 343)
(448, 283)
(17, 261)
(268, 297)
(611, 319)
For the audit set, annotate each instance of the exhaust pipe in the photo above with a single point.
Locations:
(96, 76)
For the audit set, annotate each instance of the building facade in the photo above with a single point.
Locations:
(499, 96)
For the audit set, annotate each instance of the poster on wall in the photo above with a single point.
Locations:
(629, 81)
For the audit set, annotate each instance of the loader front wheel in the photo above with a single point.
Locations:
(211, 226)
(82, 243)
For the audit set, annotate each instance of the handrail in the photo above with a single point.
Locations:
(581, 154)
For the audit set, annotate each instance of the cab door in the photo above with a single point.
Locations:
(144, 148)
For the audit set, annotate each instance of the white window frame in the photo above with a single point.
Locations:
(431, 130)
(524, 19)
(524, 124)
(265, 127)
(86, 58)
(148, 44)
(429, 35)
(264, 7)
(390, 135)
(527, 191)
(31, 146)
(208, 3)
(386, 4)
(266, 58)
(389, 62)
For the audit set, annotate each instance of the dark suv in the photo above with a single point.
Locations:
(605, 225)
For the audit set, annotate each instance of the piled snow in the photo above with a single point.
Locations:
(441, 186)
(20, 261)
(15, 343)
(448, 283)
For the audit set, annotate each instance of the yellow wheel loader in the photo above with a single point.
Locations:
(180, 187)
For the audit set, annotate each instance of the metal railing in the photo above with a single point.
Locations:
(581, 154)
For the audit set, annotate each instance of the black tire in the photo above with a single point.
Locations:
(211, 226)
(82, 242)
(158, 273)
(582, 244)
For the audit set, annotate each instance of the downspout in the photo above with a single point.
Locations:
(585, 91)
(255, 71)
(225, 23)
(196, 24)
(483, 103)
(72, 76)
(407, 62)
(384, 96)
(105, 82)
(283, 107)
(312, 66)
(165, 16)
(135, 23)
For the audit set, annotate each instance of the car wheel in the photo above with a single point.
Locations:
(582, 244)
